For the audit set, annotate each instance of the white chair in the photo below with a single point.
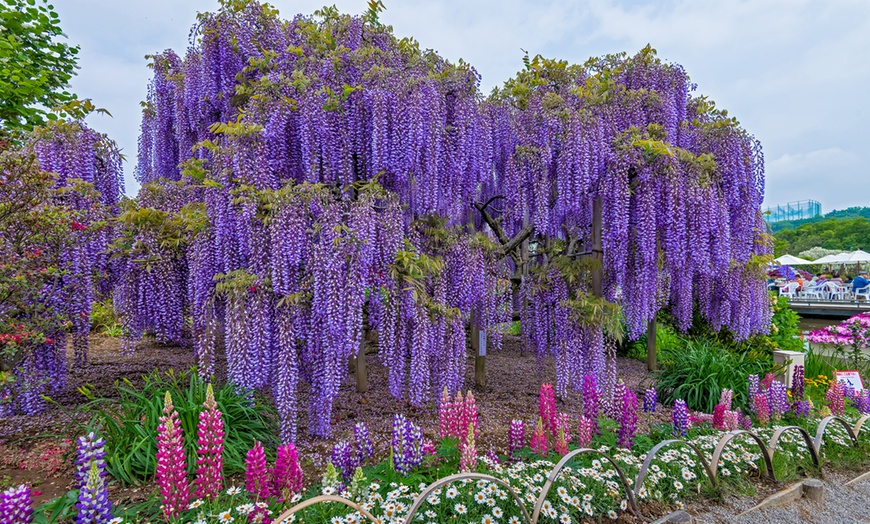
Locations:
(789, 290)
(814, 290)
(863, 292)
(835, 291)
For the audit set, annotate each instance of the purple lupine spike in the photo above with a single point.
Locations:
(650, 398)
(680, 418)
(628, 418)
(16, 505)
(363, 443)
(797, 384)
(516, 436)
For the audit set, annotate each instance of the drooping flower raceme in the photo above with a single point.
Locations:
(210, 449)
(171, 474)
(16, 505)
(257, 480)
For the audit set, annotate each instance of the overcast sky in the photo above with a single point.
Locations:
(796, 73)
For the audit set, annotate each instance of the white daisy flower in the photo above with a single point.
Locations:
(224, 517)
(460, 508)
(235, 490)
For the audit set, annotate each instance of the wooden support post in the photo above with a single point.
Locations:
(597, 248)
(651, 345)
(478, 346)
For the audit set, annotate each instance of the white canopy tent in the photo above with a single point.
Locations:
(791, 260)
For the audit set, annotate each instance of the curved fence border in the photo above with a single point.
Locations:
(814, 445)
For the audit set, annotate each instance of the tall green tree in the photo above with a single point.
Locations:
(35, 65)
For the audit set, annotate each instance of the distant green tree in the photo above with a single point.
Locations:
(849, 212)
(35, 67)
(833, 233)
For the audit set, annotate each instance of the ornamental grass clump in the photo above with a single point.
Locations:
(16, 505)
(210, 449)
(171, 473)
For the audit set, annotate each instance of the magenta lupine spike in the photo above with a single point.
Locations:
(627, 419)
(732, 420)
(680, 418)
(768, 380)
(287, 473)
(725, 398)
(171, 473)
(584, 432)
(539, 439)
(834, 398)
(563, 423)
(516, 436)
(468, 459)
(210, 449)
(547, 408)
(16, 505)
(719, 417)
(257, 480)
(444, 416)
(762, 412)
(470, 414)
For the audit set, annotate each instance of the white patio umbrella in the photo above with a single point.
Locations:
(854, 257)
(827, 259)
(791, 260)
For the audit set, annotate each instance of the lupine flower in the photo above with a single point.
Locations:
(257, 480)
(364, 447)
(93, 501)
(746, 423)
(563, 422)
(732, 420)
(797, 384)
(725, 398)
(614, 406)
(628, 418)
(492, 456)
(762, 412)
(719, 417)
(768, 380)
(802, 408)
(93, 505)
(590, 401)
(16, 505)
(344, 460)
(777, 400)
(539, 439)
(650, 397)
(469, 416)
(468, 459)
(560, 445)
(584, 432)
(406, 445)
(547, 408)
(834, 398)
(171, 474)
(287, 474)
(753, 387)
(446, 424)
(429, 449)
(210, 448)
(848, 392)
(516, 436)
(680, 417)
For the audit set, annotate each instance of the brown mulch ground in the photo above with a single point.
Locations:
(38, 449)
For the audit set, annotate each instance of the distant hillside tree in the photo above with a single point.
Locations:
(841, 234)
(849, 212)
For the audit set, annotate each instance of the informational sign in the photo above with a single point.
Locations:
(850, 378)
(482, 340)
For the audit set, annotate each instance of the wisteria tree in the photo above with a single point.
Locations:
(57, 192)
(307, 180)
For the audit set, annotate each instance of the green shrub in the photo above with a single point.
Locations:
(699, 371)
(104, 320)
(129, 424)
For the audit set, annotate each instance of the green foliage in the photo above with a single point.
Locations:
(60, 509)
(129, 424)
(35, 66)
(847, 234)
(784, 330)
(104, 319)
(700, 371)
(849, 212)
